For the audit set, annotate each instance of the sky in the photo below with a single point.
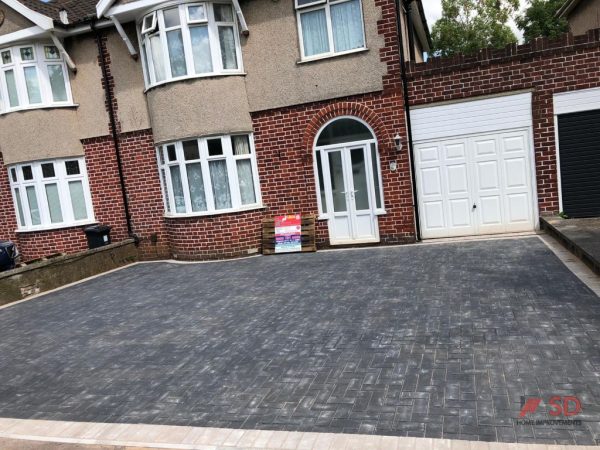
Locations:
(433, 11)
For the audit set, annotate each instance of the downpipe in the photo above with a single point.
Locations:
(114, 133)
(404, 78)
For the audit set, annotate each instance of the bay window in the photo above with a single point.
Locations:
(190, 40)
(33, 76)
(51, 194)
(209, 175)
(329, 27)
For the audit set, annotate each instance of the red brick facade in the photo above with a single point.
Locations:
(284, 140)
(217, 236)
(545, 67)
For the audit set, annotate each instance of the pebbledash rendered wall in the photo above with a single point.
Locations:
(544, 67)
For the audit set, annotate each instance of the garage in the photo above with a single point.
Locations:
(577, 120)
(474, 167)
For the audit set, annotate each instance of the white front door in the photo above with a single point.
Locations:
(479, 184)
(349, 193)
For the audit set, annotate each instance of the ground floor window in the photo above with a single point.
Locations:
(209, 175)
(51, 193)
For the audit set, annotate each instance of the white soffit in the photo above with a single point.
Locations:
(40, 20)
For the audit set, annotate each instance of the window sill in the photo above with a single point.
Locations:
(214, 213)
(331, 55)
(61, 226)
(194, 77)
(32, 108)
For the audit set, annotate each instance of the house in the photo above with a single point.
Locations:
(184, 124)
(582, 15)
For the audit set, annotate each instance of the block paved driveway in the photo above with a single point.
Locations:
(433, 340)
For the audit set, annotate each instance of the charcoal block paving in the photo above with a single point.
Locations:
(433, 340)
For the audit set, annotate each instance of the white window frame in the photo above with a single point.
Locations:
(326, 5)
(191, 21)
(231, 160)
(41, 63)
(185, 25)
(61, 179)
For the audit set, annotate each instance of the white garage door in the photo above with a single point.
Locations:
(474, 167)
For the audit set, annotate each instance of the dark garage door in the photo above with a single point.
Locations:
(579, 140)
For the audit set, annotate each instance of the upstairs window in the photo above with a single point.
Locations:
(329, 27)
(190, 40)
(51, 194)
(33, 76)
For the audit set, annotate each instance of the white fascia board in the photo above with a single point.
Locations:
(132, 7)
(21, 35)
(40, 20)
(102, 6)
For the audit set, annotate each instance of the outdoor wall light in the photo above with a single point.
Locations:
(393, 166)
(398, 142)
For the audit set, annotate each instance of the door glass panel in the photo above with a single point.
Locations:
(338, 188)
(376, 175)
(321, 182)
(359, 176)
(344, 130)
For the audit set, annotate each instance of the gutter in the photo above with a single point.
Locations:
(115, 134)
(407, 108)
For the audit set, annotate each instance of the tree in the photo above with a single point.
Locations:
(539, 19)
(469, 25)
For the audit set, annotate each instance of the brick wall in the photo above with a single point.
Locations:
(215, 237)
(544, 66)
(142, 186)
(144, 193)
(284, 140)
(8, 219)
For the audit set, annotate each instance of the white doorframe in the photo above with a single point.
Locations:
(350, 226)
(374, 180)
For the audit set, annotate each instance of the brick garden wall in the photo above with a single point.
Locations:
(544, 66)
